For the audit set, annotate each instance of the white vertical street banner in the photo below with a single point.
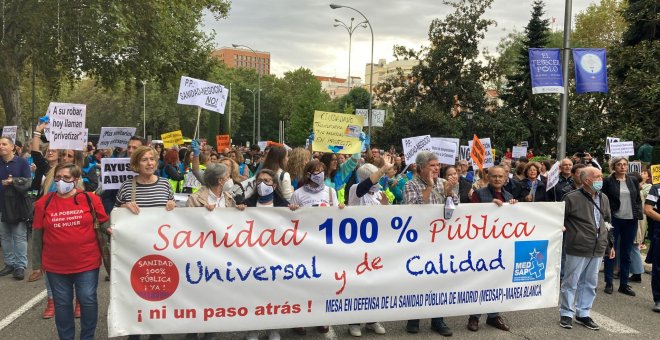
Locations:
(608, 141)
(446, 151)
(622, 149)
(112, 137)
(207, 95)
(489, 162)
(10, 131)
(114, 172)
(67, 125)
(553, 176)
(414, 145)
(191, 270)
(377, 115)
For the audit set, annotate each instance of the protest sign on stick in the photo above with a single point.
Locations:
(489, 155)
(10, 131)
(337, 132)
(67, 125)
(655, 174)
(478, 152)
(171, 139)
(553, 176)
(446, 151)
(204, 95)
(622, 149)
(414, 145)
(222, 142)
(112, 137)
(114, 172)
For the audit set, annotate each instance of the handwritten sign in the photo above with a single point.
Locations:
(519, 151)
(378, 116)
(655, 174)
(337, 132)
(489, 158)
(223, 142)
(446, 151)
(171, 139)
(608, 142)
(414, 145)
(114, 172)
(553, 176)
(190, 270)
(202, 93)
(112, 137)
(67, 125)
(10, 131)
(622, 149)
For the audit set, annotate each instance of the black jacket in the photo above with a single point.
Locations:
(611, 189)
(278, 201)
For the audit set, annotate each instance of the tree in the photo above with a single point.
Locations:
(105, 40)
(600, 25)
(538, 112)
(304, 97)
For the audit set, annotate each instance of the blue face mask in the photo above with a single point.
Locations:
(597, 186)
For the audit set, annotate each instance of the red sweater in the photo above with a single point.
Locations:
(69, 239)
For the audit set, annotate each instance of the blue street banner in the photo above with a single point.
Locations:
(590, 70)
(545, 68)
(191, 270)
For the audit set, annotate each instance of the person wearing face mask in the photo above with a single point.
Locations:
(213, 194)
(66, 248)
(588, 238)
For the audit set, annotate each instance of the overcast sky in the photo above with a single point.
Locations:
(300, 33)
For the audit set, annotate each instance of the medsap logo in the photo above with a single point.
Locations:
(530, 261)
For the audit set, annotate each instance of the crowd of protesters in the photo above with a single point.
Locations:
(622, 207)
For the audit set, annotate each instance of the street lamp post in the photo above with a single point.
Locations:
(371, 75)
(259, 89)
(254, 109)
(350, 29)
(144, 109)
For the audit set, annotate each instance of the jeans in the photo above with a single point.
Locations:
(13, 238)
(85, 284)
(625, 232)
(49, 291)
(655, 260)
(435, 322)
(636, 266)
(490, 315)
(578, 289)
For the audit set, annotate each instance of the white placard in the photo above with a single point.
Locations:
(553, 176)
(66, 126)
(489, 162)
(413, 145)
(622, 149)
(519, 151)
(464, 154)
(202, 93)
(114, 172)
(115, 137)
(446, 151)
(191, 270)
(608, 141)
(10, 131)
(635, 167)
(377, 115)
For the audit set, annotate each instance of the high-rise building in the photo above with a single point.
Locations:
(241, 57)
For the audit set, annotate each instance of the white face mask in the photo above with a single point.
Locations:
(264, 189)
(318, 178)
(63, 187)
(229, 184)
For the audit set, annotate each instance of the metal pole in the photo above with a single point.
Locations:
(144, 109)
(229, 117)
(566, 51)
(259, 89)
(254, 116)
(350, 41)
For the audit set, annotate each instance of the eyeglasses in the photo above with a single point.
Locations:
(63, 178)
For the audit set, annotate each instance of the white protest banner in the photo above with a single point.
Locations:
(413, 145)
(489, 161)
(67, 125)
(464, 153)
(553, 176)
(112, 137)
(446, 151)
(519, 151)
(635, 167)
(622, 149)
(202, 93)
(114, 172)
(194, 270)
(378, 116)
(608, 141)
(10, 131)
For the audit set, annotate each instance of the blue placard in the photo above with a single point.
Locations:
(590, 70)
(545, 68)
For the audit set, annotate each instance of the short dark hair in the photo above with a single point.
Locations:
(138, 138)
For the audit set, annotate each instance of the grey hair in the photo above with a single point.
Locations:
(615, 160)
(213, 173)
(423, 158)
(586, 172)
(365, 171)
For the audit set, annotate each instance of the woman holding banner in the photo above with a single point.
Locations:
(213, 194)
(533, 188)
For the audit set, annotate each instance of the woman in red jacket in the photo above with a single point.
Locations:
(65, 239)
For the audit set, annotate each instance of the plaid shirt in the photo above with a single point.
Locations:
(413, 192)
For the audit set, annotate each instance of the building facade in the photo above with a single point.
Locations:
(241, 57)
(337, 87)
(384, 70)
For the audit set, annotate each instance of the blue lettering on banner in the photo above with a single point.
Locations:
(530, 261)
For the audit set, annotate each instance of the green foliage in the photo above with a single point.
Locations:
(643, 17)
(600, 25)
(304, 96)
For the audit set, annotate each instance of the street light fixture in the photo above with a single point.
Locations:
(371, 76)
(350, 29)
(259, 89)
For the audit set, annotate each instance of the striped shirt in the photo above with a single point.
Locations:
(146, 195)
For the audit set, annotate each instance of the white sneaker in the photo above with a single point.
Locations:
(355, 330)
(376, 327)
(274, 335)
(252, 336)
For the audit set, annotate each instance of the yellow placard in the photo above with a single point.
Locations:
(337, 132)
(655, 173)
(171, 139)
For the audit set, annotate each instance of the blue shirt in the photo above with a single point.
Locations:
(16, 167)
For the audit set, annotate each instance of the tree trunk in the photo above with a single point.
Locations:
(10, 92)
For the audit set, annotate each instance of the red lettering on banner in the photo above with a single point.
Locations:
(472, 231)
(245, 237)
(366, 266)
(341, 277)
